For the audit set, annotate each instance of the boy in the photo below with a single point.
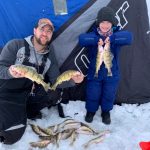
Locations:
(106, 40)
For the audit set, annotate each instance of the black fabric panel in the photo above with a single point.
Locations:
(12, 136)
(134, 60)
(77, 92)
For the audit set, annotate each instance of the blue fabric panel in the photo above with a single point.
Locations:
(93, 95)
(18, 17)
(101, 93)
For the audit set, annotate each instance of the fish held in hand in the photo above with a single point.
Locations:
(31, 73)
(107, 56)
(65, 76)
(99, 59)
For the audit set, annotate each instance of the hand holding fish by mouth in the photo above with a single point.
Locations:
(107, 40)
(20, 71)
(100, 42)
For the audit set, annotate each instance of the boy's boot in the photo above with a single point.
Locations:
(106, 117)
(89, 116)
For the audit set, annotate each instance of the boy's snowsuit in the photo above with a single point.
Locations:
(101, 90)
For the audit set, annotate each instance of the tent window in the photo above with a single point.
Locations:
(60, 7)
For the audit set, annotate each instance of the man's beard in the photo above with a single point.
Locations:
(38, 40)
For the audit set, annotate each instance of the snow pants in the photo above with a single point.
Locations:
(101, 93)
(15, 107)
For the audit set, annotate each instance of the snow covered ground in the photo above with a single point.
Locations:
(130, 125)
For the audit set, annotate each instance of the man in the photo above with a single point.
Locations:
(16, 102)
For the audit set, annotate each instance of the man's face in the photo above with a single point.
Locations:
(105, 26)
(43, 35)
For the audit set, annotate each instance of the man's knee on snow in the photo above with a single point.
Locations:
(11, 136)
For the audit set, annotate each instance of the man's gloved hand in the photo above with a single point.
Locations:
(54, 97)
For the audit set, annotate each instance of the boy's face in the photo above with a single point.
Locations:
(105, 26)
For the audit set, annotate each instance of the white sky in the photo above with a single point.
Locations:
(130, 125)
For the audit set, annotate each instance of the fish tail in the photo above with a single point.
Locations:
(53, 87)
(109, 73)
(50, 88)
(95, 133)
(47, 87)
(86, 145)
(96, 75)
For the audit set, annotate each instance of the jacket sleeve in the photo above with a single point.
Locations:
(54, 72)
(88, 39)
(7, 58)
(121, 38)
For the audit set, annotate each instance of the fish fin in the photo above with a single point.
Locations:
(109, 73)
(96, 75)
(47, 87)
(32, 68)
(112, 56)
(53, 87)
(41, 76)
(86, 145)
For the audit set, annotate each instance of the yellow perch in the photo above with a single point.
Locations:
(38, 130)
(40, 144)
(31, 74)
(65, 76)
(94, 141)
(99, 59)
(107, 56)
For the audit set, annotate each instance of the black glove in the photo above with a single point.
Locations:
(54, 97)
